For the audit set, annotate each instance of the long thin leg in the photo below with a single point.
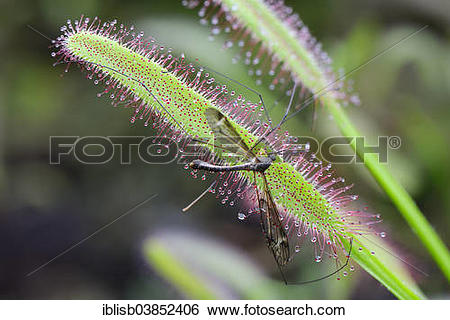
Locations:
(330, 274)
(321, 92)
(417, 269)
(266, 111)
(199, 197)
(314, 118)
(165, 109)
(302, 106)
(288, 107)
(282, 120)
(159, 102)
(281, 96)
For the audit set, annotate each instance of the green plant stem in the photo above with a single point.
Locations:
(402, 200)
(388, 275)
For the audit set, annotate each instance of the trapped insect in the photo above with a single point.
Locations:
(270, 218)
(298, 198)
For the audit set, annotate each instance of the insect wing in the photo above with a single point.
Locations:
(225, 134)
(276, 237)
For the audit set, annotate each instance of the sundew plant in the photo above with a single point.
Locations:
(273, 38)
(186, 105)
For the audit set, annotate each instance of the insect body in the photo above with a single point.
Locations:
(270, 219)
(276, 237)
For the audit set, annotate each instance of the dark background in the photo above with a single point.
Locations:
(45, 209)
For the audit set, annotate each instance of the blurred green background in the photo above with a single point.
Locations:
(44, 209)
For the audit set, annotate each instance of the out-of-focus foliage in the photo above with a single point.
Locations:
(45, 208)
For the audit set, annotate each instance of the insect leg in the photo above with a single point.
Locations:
(266, 111)
(330, 274)
(282, 120)
(156, 99)
(199, 197)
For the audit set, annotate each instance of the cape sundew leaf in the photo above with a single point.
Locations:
(274, 42)
(174, 97)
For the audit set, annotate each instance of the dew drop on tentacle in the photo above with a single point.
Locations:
(241, 216)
